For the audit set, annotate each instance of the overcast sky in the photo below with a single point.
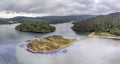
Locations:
(11, 8)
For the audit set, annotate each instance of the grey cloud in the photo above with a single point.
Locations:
(60, 7)
(113, 5)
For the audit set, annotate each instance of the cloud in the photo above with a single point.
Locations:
(59, 7)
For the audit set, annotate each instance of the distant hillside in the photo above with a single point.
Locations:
(50, 19)
(103, 23)
(3, 21)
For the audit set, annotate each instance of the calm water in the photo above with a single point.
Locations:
(85, 50)
(9, 38)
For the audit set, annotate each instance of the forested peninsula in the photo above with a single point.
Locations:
(102, 25)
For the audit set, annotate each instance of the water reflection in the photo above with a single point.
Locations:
(9, 38)
(7, 54)
(85, 50)
(88, 51)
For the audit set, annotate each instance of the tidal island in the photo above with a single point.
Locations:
(48, 44)
(35, 26)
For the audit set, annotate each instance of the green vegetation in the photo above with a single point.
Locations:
(47, 19)
(35, 27)
(105, 35)
(49, 43)
(2, 21)
(82, 33)
(101, 34)
(104, 23)
(51, 19)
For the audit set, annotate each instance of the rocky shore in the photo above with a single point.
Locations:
(48, 45)
(105, 36)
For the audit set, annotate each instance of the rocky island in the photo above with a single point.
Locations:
(35, 26)
(48, 44)
(103, 26)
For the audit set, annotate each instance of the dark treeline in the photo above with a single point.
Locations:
(3, 21)
(48, 19)
(103, 23)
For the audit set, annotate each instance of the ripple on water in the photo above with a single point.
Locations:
(85, 51)
(8, 54)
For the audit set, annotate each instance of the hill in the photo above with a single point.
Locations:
(49, 19)
(4, 21)
(109, 23)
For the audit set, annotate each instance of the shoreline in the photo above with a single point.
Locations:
(105, 37)
(50, 44)
(60, 50)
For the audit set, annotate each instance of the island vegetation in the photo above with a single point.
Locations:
(39, 27)
(102, 25)
(49, 43)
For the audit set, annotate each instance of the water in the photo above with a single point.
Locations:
(85, 50)
(8, 35)
(9, 38)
